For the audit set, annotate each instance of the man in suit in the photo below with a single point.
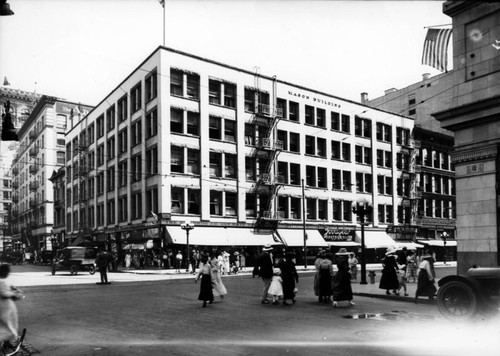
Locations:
(265, 270)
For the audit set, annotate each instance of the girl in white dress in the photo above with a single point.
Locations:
(217, 286)
(276, 287)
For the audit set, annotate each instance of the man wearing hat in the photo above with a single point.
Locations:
(265, 270)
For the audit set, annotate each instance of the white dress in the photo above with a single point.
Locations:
(217, 286)
(8, 313)
(276, 287)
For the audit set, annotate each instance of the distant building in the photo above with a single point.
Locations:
(474, 117)
(186, 138)
(41, 151)
(21, 104)
(435, 203)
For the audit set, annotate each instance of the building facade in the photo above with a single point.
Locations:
(21, 104)
(41, 151)
(474, 117)
(247, 158)
(435, 204)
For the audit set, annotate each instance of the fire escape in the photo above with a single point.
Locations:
(266, 117)
(411, 175)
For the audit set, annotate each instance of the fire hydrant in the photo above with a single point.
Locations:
(372, 276)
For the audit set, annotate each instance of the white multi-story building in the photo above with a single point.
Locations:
(234, 152)
(41, 152)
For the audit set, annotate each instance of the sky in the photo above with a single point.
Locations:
(80, 50)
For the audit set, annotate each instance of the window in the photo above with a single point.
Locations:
(337, 210)
(250, 169)
(100, 126)
(321, 147)
(91, 133)
(176, 120)
(100, 183)
(152, 199)
(193, 201)
(136, 167)
(152, 123)
(363, 155)
(295, 174)
(230, 165)
(346, 180)
(310, 145)
(322, 180)
(293, 109)
(100, 155)
(311, 176)
(152, 161)
(283, 138)
(296, 208)
(309, 115)
(283, 172)
(136, 133)
(110, 118)
(136, 98)
(215, 164)
(177, 200)
(384, 132)
(193, 161)
(249, 100)
(249, 134)
(122, 141)
(214, 92)
(402, 136)
(363, 182)
(122, 174)
(136, 205)
(110, 145)
(122, 109)
(294, 142)
(229, 95)
(230, 130)
(335, 121)
(346, 123)
(362, 127)
(250, 205)
(336, 150)
(193, 86)
(215, 203)
(336, 179)
(176, 159)
(215, 124)
(176, 82)
(193, 119)
(281, 107)
(320, 118)
(122, 208)
(231, 204)
(311, 208)
(346, 151)
(151, 86)
(110, 178)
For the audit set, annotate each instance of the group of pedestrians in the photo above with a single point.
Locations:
(330, 286)
(211, 285)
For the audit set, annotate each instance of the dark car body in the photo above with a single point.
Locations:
(11, 257)
(75, 259)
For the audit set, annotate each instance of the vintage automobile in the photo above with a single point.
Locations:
(465, 297)
(75, 259)
(11, 257)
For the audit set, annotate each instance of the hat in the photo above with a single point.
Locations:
(236, 253)
(342, 251)
(426, 255)
(276, 271)
(267, 248)
(390, 251)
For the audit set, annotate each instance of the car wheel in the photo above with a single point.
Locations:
(91, 269)
(73, 269)
(456, 300)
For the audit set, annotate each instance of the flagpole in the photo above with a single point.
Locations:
(163, 4)
(449, 24)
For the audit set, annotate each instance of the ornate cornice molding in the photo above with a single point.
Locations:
(475, 154)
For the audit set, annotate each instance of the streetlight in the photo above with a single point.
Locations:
(444, 236)
(361, 209)
(188, 226)
(304, 223)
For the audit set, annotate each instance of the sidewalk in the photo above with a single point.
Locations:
(364, 290)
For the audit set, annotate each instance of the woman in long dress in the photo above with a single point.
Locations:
(325, 278)
(289, 276)
(206, 294)
(8, 311)
(319, 258)
(426, 278)
(389, 279)
(341, 285)
(217, 286)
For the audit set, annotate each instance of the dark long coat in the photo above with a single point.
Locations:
(290, 277)
(389, 279)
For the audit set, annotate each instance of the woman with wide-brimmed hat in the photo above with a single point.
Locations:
(389, 279)
(341, 284)
(426, 277)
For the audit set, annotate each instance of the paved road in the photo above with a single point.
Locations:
(165, 318)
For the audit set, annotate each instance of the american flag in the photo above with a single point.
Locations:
(436, 48)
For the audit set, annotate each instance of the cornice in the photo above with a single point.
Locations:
(477, 154)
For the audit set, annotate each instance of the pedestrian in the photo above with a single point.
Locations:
(411, 267)
(353, 266)
(276, 287)
(402, 282)
(102, 263)
(325, 278)
(9, 322)
(128, 260)
(319, 258)
(164, 260)
(206, 293)
(178, 262)
(217, 286)
(341, 285)
(290, 277)
(264, 269)
(225, 259)
(402, 258)
(389, 279)
(194, 261)
(243, 261)
(426, 277)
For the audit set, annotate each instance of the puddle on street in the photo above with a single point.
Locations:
(393, 315)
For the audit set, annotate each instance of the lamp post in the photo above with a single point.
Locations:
(444, 236)
(304, 223)
(361, 209)
(187, 226)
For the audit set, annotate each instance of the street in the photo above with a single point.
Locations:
(165, 318)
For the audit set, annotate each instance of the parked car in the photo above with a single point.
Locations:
(75, 259)
(45, 257)
(11, 257)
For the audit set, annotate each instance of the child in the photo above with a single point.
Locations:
(402, 281)
(8, 310)
(276, 287)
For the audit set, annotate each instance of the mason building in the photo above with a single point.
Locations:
(248, 159)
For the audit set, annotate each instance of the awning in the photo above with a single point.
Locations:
(343, 243)
(376, 239)
(220, 236)
(296, 238)
(408, 244)
(438, 242)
